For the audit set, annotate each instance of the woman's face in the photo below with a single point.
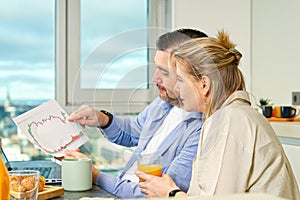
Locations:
(189, 90)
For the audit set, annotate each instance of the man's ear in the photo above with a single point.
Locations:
(205, 81)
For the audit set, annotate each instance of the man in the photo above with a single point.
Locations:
(161, 129)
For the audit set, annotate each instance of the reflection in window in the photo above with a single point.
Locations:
(27, 67)
(114, 44)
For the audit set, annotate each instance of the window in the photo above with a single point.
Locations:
(108, 53)
(27, 67)
(46, 48)
(105, 51)
(113, 46)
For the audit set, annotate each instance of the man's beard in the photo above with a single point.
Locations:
(174, 101)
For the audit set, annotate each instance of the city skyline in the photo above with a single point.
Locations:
(8, 98)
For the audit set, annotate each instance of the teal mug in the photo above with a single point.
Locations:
(76, 174)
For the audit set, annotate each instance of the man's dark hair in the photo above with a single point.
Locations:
(171, 40)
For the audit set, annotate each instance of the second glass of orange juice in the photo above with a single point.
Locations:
(150, 164)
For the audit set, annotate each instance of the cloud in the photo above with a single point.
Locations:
(27, 31)
(30, 46)
(36, 9)
(14, 66)
(27, 82)
(124, 73)
(111, 17)
(28, 87)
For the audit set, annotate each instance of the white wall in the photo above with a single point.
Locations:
(265, 31)
(213, 15)
(276, 49)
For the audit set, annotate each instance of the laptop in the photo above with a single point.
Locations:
(50, 169)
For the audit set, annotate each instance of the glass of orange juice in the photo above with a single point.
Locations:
(150, 164)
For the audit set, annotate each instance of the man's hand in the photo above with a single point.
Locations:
(88, 116)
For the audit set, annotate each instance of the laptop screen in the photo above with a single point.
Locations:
(47, 168)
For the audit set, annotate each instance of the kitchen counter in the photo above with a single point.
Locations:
(290, 129)
(289, 135)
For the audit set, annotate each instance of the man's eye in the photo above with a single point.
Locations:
(165, 72)
(179, 80)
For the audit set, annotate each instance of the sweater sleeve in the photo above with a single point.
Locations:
(118, 187)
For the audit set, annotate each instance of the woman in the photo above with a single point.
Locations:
(238, 150)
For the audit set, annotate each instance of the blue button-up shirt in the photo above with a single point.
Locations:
(177, 150)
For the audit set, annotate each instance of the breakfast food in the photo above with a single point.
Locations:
(28, 183)
(22, 183)
(15, 186)
(42, 183)
(25, 183)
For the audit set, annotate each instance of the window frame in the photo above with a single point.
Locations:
(68, 91)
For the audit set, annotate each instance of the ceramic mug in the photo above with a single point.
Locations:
(267, 111)
(288, 111)
(277, 111)
(76, 174)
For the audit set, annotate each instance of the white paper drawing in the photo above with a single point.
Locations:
(47, 128)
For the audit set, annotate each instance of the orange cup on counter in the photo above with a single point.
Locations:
(277, 111)
(150, 164)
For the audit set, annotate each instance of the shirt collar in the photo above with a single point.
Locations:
(237, 95)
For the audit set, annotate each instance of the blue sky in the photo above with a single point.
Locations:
(27, 49)
(27, 41)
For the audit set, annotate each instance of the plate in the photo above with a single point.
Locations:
(50, 192)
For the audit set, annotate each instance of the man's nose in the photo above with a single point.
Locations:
(156, 77)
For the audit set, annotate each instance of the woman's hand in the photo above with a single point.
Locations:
(88, 116)
(69, 154)
(74, 154)
(155, 186)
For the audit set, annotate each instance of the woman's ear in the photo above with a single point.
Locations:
(205, 81)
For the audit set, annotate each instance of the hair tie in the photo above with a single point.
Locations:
(235, 52)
